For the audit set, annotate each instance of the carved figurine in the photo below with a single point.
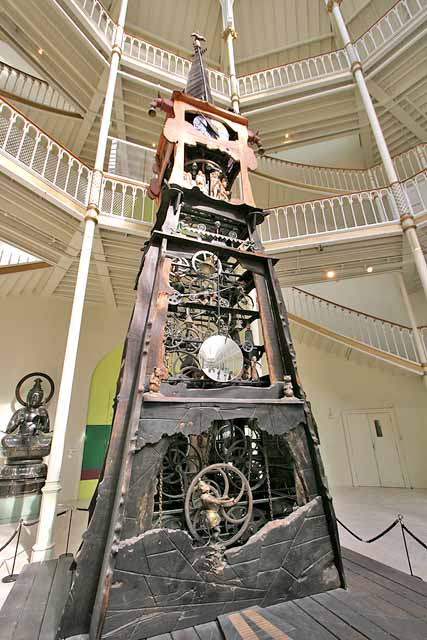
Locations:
(28, 422)
(27, 441)
(201, 181)
(288, 390)
(156, 380)
(188, 179)
(224, 194)
(211, 506)
(215, 185)
(254, 371)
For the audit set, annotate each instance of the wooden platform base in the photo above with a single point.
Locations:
(381, 603)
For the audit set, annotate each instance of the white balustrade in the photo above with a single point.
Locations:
(293, 73)
(407, 165)
(314, 68)
(24, 85)
(126, 200)
(28, 145)
(416, 188)
(169, 62)
(317, 217)
(11, 256)
(98, 17)
(388, 27)
(388, 337)
(156, 57)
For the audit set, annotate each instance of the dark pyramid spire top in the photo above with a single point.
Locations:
(198, 80)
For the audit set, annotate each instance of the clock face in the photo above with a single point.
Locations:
(201, 124)
(210, 128)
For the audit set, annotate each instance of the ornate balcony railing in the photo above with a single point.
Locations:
(407, 165)
(328, 64)
(416, 188)
(98, 17)
(30, 146)
(176, 66)
(315, 68)
(24, 86)
(126, 200)
(387, 27)
(340, 213)
(387, 337)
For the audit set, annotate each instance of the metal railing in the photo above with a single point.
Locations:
(389, 337)
(25, 86)
(407, 165)
(30, 146)
(301, 71)
(340, 213)
(387, 27)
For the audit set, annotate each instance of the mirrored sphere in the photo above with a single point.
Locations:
(221, 358)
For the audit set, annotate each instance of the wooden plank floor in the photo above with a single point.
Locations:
(380, 603)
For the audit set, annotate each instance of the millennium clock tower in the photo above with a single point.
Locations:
(213, 496)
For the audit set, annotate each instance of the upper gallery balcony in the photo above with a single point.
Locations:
(313, 96)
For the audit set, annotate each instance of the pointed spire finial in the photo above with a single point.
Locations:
(198, 79)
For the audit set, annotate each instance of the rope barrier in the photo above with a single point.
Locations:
(403, 528)
(10, 539)
(377, 537)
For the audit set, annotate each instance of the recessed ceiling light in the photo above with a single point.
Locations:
(369, 269)
(286, 135)
(40, 51)
(330, 274)
(153, 144)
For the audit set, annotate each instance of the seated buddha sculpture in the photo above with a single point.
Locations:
(27, 433)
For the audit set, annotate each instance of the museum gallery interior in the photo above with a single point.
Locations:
(213, 283)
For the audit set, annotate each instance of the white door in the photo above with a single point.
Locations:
(373, 452)
(385, 448)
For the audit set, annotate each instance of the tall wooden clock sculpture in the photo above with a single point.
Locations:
(213, 496)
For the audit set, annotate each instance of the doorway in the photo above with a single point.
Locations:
(373, 449)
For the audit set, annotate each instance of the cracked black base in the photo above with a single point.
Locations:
(162, 583)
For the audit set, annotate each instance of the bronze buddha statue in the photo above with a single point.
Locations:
(27, 441)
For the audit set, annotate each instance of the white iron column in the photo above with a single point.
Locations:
(43, 549)
(229, 36)
(399, 194)
(419, 343)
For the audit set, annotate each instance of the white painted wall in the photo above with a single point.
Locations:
(334, 384)
(343, 152)
(33, 333)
